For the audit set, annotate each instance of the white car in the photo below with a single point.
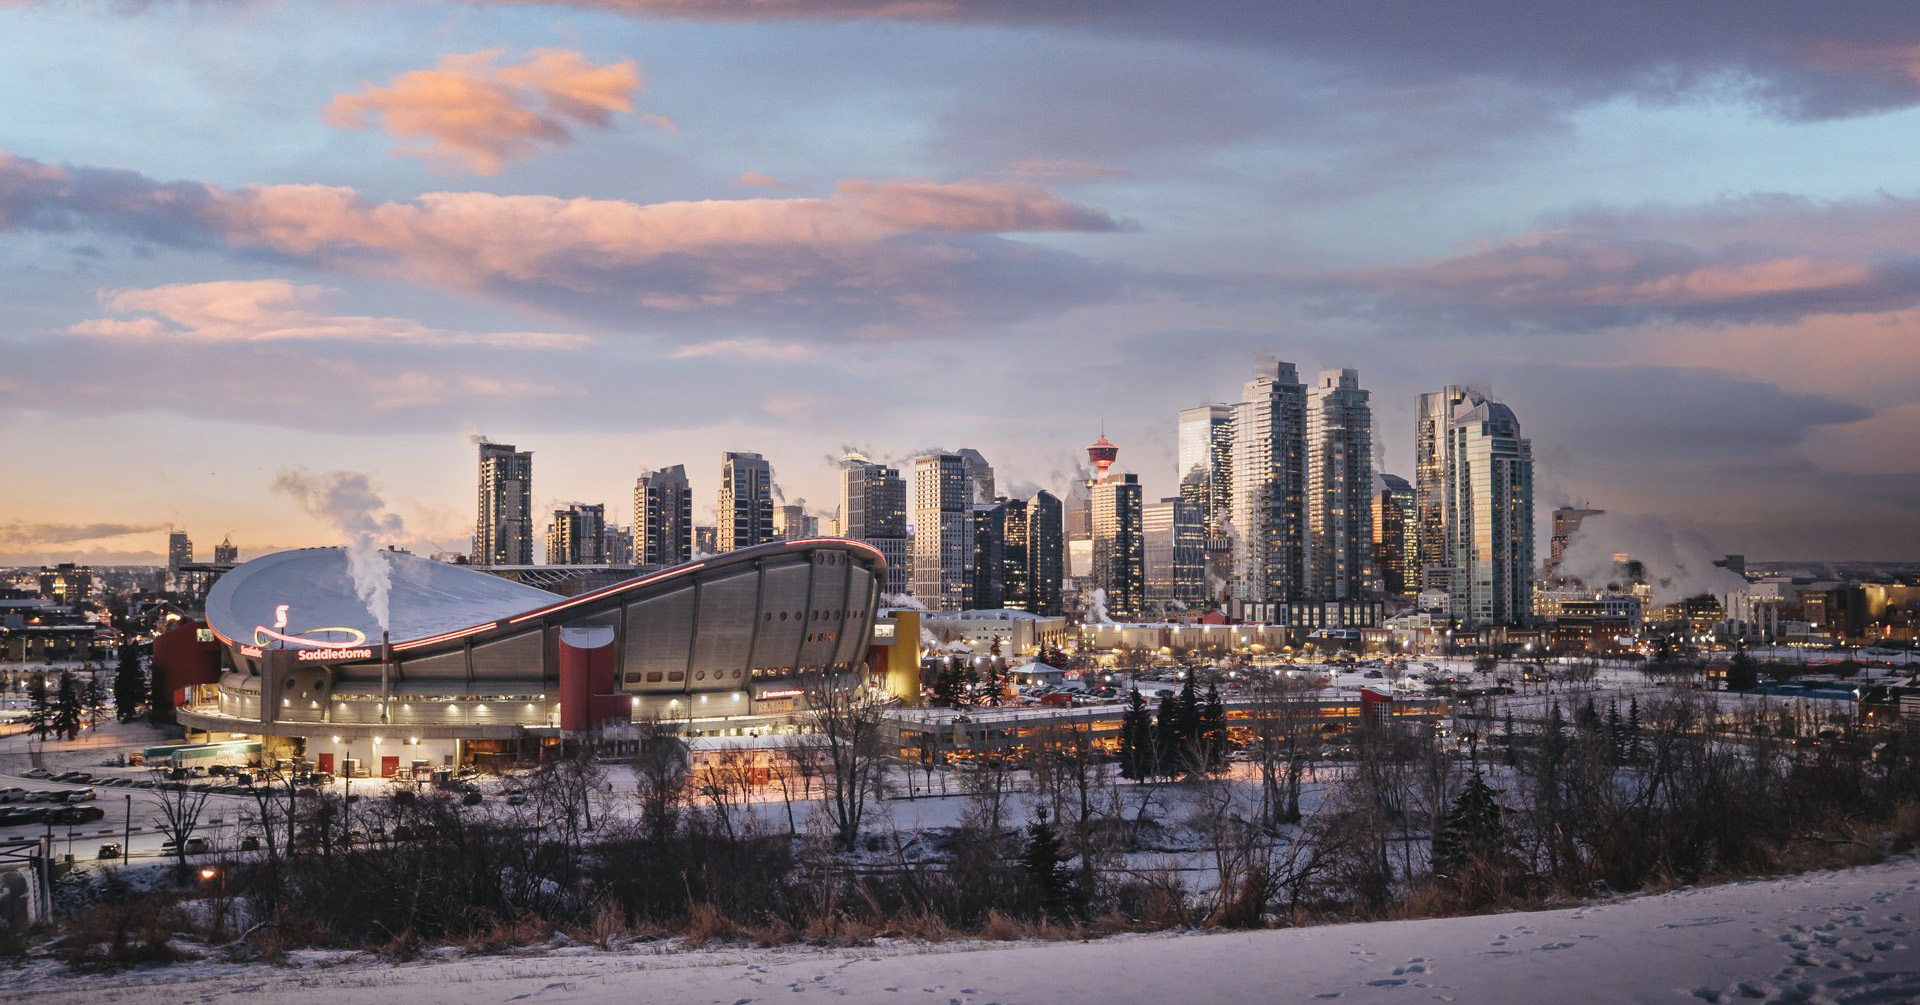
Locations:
(13, 795)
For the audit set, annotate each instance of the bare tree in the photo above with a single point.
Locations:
(179, 819)
(843, 726)
(661, 765)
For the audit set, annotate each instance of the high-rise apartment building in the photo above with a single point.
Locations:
(1430, 417)
(706, 540)
(1046, 556)
(179, 550)
(873, 509)
(1175, 549)
(577, 535)
(663, 517)
(503, 533)
(225, 553)
(746, 501)
(1483, 500)
(616, 544)
(1269, 487)
(1119, 549)
(1396, 553)
(1339, 450)
(943, 491)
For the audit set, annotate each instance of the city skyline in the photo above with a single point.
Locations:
(1678, 253)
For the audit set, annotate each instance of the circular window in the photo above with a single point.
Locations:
(699, 675)
(783, 615)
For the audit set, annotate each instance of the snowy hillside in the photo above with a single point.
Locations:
(1843, 937)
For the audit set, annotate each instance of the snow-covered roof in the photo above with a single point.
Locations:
(425, 598)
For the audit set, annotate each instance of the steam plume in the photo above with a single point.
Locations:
(347, 502)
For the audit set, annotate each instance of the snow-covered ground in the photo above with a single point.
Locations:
(1846, 938)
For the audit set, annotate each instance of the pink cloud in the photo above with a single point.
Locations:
(754, 179)
(469, 114)
(757, 350)
(271, 310)
(1042, 169)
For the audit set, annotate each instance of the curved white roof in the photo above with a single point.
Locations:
(425, 598)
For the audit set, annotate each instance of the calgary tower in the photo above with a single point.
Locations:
(1102, 453)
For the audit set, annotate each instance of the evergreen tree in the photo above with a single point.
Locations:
(1136, 738)
(1588, 718)
(1167, 744)
(39, 706)
(67, 708)
(1633, 729)
(1472, 830)
(1742, 673)
(1556, 739)
(1213, 727)
(1044, 862)
(1190, 732)
(1616, 733)
(1510, 752)
(93, 698)
(129, 684)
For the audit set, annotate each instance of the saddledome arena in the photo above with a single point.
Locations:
(476, 668)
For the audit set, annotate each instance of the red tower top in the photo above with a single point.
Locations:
(1102, 454)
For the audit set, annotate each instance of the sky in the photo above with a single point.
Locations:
(240, 238)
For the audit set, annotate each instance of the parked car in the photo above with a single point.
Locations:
(78, 795)
(74, 814)
(471, 799)
(36, 773)
(195, 846)
(14, 794)
(516, 797)
(73, 776)
(250, 843)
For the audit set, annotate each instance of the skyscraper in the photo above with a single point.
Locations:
(1119, 555)
(1339, 432)
(979, 474)
(873, 508)
(503, 533)
(1269, 487)
(663, 517)
(1484, 502)
(988, 588)
(1046, 555)
(1206, 463)
(746, 501)
(1566, 523)
(791, 521)
(577, 535)
(943, 491)
(1396, 553)
(225, 553)
(1174, 546)
(1016, 562)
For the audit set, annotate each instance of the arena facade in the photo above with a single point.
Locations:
(476, 668)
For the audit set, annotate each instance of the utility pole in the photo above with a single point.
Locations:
(126, 843)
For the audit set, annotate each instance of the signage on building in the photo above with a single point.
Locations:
(252, 651)
(317, 655)
(882, 632)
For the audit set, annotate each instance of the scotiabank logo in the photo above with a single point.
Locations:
(315, 655)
